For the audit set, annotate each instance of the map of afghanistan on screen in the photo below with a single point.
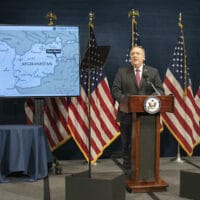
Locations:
(39, 61)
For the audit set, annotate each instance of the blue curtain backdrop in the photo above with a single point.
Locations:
(158, 30)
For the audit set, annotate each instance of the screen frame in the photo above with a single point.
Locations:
(79, 58)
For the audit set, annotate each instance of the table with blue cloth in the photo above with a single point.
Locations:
(24, 149)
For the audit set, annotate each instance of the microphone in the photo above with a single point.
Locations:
(146, 77)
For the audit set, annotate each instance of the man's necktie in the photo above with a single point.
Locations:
(137, 74)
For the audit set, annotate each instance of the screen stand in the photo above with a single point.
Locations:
(39, 120)
(39, 111)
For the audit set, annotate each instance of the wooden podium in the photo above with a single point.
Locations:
(145, 149)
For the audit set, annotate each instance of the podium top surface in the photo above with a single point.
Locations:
(135, 103)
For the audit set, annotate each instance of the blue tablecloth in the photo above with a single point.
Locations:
(24, 149)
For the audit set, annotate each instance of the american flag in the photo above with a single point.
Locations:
(55, 119)
(133, 42)
(92, 115)
(197, 99)
(183, 122)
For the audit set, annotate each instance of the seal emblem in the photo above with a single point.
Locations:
(152, 105)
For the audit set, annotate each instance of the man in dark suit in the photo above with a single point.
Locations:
(137, 79)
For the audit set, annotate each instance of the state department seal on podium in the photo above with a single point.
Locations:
(152, 105)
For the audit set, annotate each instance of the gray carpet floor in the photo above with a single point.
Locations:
(169, 171)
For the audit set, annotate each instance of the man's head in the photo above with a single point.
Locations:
(137, 56)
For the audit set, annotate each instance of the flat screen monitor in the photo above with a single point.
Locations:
(39, 61)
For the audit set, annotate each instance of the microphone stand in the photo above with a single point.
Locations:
(152, 85)
(155, 89)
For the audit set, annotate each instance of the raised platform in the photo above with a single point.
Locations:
(169, 170)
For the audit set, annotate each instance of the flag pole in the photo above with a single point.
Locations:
(133, 13)
(178, 158)
(90, 23)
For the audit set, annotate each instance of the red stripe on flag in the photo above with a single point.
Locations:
(170, 124)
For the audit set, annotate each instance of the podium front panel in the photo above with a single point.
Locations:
(147, 147)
